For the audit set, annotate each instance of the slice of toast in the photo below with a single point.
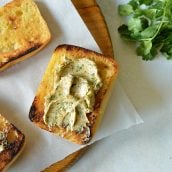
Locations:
(11, 143)
(107, 70)
(23, 32)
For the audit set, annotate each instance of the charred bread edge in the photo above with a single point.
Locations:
(17, 155)
(19, 148)
(96, 122)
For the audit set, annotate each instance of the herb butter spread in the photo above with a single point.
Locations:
(73, 97)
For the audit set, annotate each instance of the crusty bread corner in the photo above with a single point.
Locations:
(107, 69)
(15, 146)
(23, 32)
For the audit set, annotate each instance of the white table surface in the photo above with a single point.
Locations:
(146, 147)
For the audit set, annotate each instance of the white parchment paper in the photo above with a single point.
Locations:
(19, 84)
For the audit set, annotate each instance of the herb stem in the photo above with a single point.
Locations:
(160, 25)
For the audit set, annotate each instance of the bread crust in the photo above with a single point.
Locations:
(20, 39)
(107, 69)
(13, 149)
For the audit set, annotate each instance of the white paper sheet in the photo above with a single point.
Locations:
(19, 84)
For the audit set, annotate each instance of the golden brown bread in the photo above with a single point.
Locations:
(11, 143)
(107, 69)
(23, 32)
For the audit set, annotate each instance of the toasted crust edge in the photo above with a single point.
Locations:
(35, 117)
(23, 56)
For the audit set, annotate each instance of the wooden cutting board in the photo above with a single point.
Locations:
(93, 18)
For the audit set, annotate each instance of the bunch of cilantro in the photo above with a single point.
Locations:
(150, 25)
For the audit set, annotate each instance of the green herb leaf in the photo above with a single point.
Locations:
(124, 32)
(149, 32)
(146, 2)
(135, 25)
(146, 50)
(125, 10)
(150, 13)
(134, 4)
(167, 47)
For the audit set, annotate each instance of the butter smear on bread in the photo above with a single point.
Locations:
(73, 97)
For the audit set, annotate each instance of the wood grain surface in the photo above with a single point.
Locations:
(93, 18)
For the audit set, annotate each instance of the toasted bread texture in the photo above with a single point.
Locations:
(107, 69)
(11, 143)
(23, 32)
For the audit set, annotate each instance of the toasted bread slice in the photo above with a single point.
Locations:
(23, 32)
(107, 70)
(11, 143)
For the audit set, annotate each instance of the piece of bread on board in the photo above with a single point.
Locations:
(23, 32)
(107, 69)
(12, 142)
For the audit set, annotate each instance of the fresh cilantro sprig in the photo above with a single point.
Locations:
(150, 25)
